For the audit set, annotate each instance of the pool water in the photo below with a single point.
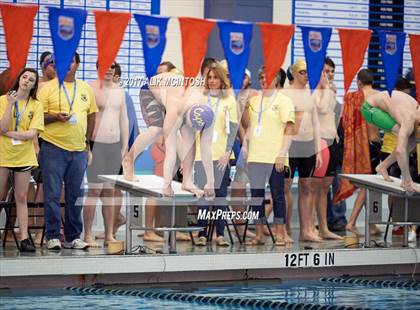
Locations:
(357, 296)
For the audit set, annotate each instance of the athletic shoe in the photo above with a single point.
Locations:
(76, 244)
(26, 246)
(202, 241)
(412, 237)
(54, 244)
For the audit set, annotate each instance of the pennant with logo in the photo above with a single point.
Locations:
(275, 40)
(415, 59)
(153, 33)
(195, 33)
(354, 43)
(66, 28)
(235, 39)
(110, 28)
(315, 43)
(392, 47)
(18, 24)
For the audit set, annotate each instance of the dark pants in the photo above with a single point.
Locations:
(336, 214)
(221, 183)
(258, 175)
(58, 166)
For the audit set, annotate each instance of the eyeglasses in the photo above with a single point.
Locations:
(303, 72)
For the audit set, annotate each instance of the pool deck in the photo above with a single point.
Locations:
(300, 260)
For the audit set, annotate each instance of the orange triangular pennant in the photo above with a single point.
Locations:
(275, 39)
(110, 28)
(354, 43)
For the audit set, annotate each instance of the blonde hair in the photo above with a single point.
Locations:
(221, 74)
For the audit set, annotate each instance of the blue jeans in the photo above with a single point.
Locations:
(58, 166)
(221, 183)
(258, 175)
(336, 214)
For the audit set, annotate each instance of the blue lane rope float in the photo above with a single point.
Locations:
(414, 285)
(252, 303)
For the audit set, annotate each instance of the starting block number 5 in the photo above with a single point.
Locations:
(375, 207)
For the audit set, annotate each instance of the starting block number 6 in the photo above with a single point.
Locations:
(375, 207)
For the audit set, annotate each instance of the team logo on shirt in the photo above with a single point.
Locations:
(391, 44)
(65, 27)
(30, 115)
(315, 41)
(237, 42)
(275, 107)
(152, 36)
(83, 97)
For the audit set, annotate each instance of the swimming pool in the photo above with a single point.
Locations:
(292, 293)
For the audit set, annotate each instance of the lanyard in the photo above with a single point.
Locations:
(19, 114)
(260, 112)
(67, 96)
(217, 105)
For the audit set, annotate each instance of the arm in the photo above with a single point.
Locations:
(317, 138)
(5, 121)
(324, 95)
(22, 135)
(124, 126)
(52, 118)
(224, 160)
(284, 149)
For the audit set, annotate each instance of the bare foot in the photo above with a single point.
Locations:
(92, 243)
(38, 238)
(266, 231)
(121, 220)
(328, 235)
(288, 239)
(255, 241)
(193, 189)
(99, 236)
(353, 230)
(128, 169)
(108, 240)
(152, 237)
(382, 171)
(410, 186)
(310, 237)
(182, 237)
(168, 191)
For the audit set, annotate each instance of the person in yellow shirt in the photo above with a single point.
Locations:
(69, 120)
(268, 138)
(21, 118)
(218, 95)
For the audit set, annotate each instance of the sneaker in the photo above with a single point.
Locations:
(76, 244)
(201, 241)
(54, 244)
(221, 241)
(26, 246)
(412, 237)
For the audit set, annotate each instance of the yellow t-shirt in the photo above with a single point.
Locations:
(226, 112)
(389, 144)
(23, 154)
(71, 135)
(265, 142)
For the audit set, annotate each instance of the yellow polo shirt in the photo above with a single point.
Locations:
(23, 154)
(226, 112)
(70, 136)
(275, 111)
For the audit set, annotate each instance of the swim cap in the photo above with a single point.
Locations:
(201, 116)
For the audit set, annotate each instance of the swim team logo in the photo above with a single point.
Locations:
(315, 41)
(237, 42)
(391, 44)
(65, 27)
(152, 36)
(197, 117)
(83, 97)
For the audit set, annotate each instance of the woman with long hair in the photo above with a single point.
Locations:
(21, 117)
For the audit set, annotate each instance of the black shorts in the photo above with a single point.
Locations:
(152, 110)
(106, 159)
(19, 169)
(375, 155)
(333, 149)
(302, 157)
